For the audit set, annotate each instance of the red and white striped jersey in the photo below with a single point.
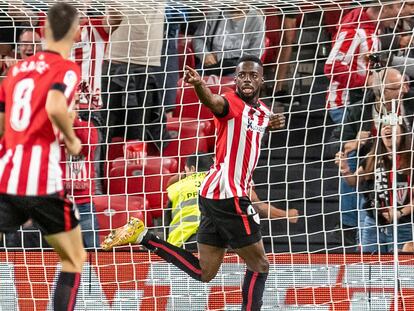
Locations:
(30, 153)
(347, 64)
(239, 136)
(89, 53)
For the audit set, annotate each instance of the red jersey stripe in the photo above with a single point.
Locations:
(239, 136)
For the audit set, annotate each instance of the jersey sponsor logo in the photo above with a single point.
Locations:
(254, 127)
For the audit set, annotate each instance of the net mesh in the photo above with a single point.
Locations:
(142, 122)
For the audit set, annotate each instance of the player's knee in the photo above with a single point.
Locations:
(260, 265)
(264, 268)
(75, 261)
(207, 271)
(207, 276)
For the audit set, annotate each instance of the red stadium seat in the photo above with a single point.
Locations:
(117, 149)
(188, 136)
(228, 82)
(273, 35)
(114, 211)
(187, 103)
(169, 164)
(149, 182)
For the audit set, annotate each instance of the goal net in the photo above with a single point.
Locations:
(340, 72)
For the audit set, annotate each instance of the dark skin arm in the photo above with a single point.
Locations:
(267, 210)
(214, 102)
(276, 122)
(113, 17)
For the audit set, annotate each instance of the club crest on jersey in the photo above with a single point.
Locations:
(402, 192)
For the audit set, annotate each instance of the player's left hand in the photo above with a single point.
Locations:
(293, 215)
(276, 122)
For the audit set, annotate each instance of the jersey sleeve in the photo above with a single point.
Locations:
(66, 80)
(232, 109)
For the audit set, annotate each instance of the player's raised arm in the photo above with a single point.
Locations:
(113, 16)
(214, 102)
(57, 110)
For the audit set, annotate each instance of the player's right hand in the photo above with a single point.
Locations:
(73, 146)
(191, 76)
(293, 215)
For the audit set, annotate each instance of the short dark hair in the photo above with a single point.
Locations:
(250, 58)
(201, 161)
(61, 17)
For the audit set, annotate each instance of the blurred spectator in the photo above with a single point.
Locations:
(227, 35)
(347, 64)
(361, 122)
(183, 213)
(408, 247)
(89, 49)
(288, 39)
(13, 18)
(28, 44)
(376, 176)
(131, 93)
(396, 42)
(79, 172)
(169, 76)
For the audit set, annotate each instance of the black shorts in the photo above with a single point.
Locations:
(232, 222)
(50, 213)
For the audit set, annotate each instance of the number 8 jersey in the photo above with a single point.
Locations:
(30, 154)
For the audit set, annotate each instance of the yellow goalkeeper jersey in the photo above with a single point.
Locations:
(185, 213)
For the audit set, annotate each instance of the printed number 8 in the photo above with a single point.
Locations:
(21, 108)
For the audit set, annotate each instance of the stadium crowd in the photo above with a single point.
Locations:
(142, 127)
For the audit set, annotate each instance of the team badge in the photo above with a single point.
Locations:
(252, 211)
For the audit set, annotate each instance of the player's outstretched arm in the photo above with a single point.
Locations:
(267, 210)
(214, 102)
(57, 110)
